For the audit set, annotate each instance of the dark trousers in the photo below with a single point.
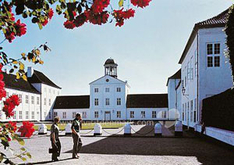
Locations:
(56, 148)
(77, 144)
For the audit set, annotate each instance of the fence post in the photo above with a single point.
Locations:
(158, 130)
(97, 129)
(42, 129)
(127, 129)
(68, 130)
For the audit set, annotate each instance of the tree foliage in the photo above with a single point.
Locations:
(230, 38)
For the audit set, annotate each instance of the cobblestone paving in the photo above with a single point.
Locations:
(110, 149)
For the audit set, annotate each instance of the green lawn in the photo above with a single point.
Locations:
(87, 126)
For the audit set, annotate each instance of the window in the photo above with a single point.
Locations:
(107, 90)
(164, 114)
(191, 105)
(217, 61)
(96, 101)
(84, 114)
(209, 61)
(50, 115)
(142, 114)
(154, 114)
(213, 55)
(191, 116)
(209, 49)
(107, 101)
(73, 114)
(20, 115)
(38, 100)
(96, 114)
(33, 115)
(20, 98)
(44, 101)
(183, 113)
(55, 114)
(195, 116)
(32, 99)
(118, 89)
(217, 48)
(26, 99)
(27, 115)
(118, 114)
(95, 90)
(64, 115)
(14, 117)
(131, 114)
(118, 101)
(49, 102)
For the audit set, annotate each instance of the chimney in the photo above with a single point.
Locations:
(30, 71)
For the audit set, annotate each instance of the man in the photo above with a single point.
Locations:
(54, 137)
(77, 143)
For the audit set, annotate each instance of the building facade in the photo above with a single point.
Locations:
(205, 71)
(109, 100)
(174, 92)
(37, 96)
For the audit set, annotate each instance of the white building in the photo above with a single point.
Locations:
(205, 71)
(109, 99)
(37, 96)
(174, 92)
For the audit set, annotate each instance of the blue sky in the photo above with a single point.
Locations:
(147, 48)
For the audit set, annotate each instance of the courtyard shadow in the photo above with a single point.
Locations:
(205, 150)
(46, 162)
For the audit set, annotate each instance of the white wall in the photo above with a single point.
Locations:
(148, 113)
(69, 113)
(101, 95)
(24, 107)
(210, 80)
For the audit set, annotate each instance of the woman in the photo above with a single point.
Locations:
(54, 137)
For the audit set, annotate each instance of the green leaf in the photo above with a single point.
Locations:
(22, 149)
(29, 155)
(121, 2)
(40, 26)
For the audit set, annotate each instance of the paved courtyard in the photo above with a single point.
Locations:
(111, 149)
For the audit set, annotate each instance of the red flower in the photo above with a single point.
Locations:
(100, 18)
(45, 22)
(99, 5)
(51, 13)
(20, 28)
(80, 20)
(27, 129)
(10, 36)
(9, 105)
(11, 126)
(69, 24)
(120, 15)
(140, 3)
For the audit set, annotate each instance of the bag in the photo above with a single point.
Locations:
(53, 150)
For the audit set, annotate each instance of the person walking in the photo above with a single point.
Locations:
(77, 143)
(54, 137)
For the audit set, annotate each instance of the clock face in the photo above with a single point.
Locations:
(107, 80)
